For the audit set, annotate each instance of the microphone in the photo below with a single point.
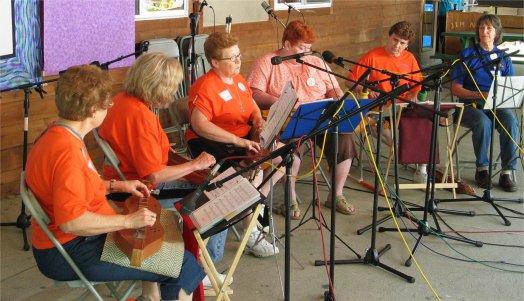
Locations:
(331, 109)
(202, 4)
(292, 7)
(189, 206)
(269, 10)
(276, 60)
(192, 23)
(329, 57)
(144, 46)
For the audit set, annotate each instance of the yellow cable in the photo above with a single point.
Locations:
(390, 207)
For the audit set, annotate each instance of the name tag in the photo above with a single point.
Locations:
(225, 95)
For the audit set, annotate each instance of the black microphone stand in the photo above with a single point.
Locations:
(24, 220)
(430, 207)
(399, 207)
(488, 194)
(286, 152)
(372, 255)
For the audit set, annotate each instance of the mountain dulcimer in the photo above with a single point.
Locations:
(139, 244)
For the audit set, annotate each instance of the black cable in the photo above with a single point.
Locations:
(486, 243)
(456, 258)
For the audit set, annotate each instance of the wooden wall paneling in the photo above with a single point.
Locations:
(349, 29)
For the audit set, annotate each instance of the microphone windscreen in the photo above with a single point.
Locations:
(422, 95)
(328, 56)
(276, 60)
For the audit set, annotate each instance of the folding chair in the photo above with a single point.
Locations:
(109, 155)
(168, 117)
(201, 64)
(43, 220)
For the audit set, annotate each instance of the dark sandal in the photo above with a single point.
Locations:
(294, 213)
(343, 206)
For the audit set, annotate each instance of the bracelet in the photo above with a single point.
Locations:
(112, 185)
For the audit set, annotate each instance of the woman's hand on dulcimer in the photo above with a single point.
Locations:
(143, 217)
(135, 188)
(203, 161)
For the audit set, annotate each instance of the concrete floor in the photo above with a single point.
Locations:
(448, 268)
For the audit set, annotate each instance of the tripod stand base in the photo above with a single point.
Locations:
(23, 222)
(487, 197)
(372, 257)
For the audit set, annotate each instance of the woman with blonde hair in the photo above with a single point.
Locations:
(134, 131)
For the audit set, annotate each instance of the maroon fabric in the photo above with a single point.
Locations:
(191, 246)
(415, 137)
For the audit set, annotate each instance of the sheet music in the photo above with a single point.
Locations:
(226, 186)
(510, 92)
(234, 196)
(278, 113)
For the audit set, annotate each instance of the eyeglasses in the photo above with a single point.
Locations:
(233, 58)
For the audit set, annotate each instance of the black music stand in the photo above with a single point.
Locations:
(24, 220)
(303, 122)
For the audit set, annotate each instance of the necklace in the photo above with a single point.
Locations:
(238, 99)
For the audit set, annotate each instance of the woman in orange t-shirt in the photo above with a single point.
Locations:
(225, 119)
(134, 131)
(63, 178)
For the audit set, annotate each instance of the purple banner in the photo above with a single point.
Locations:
(80, 32)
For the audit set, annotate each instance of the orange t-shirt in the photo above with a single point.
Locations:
(137, 138)
(63, 178)
(228, 106)
(380, 59)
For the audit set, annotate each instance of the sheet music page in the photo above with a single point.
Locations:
(278, 113)
(510, 92)
(215, 193)
(235, 195)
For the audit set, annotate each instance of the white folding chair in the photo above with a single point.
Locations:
(109, 155)
(43, 220)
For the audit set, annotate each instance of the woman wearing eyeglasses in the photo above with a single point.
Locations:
(222, 115)
(267, 82)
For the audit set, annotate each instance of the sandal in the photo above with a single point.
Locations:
(294, 213)
(343, 206)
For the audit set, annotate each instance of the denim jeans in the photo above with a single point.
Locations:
(480, 122)
(86, 252)
(215, 246)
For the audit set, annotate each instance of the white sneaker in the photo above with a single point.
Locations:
(207, 282)
(420, 177)
(259, 247)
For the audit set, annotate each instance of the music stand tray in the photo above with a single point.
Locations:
(510, 92)
(306, 116)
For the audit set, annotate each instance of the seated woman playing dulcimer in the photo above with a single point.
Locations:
(222, 116)
(67, 185)
(267, 81)
(134, 132)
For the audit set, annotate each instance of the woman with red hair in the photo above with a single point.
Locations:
(267, 81)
